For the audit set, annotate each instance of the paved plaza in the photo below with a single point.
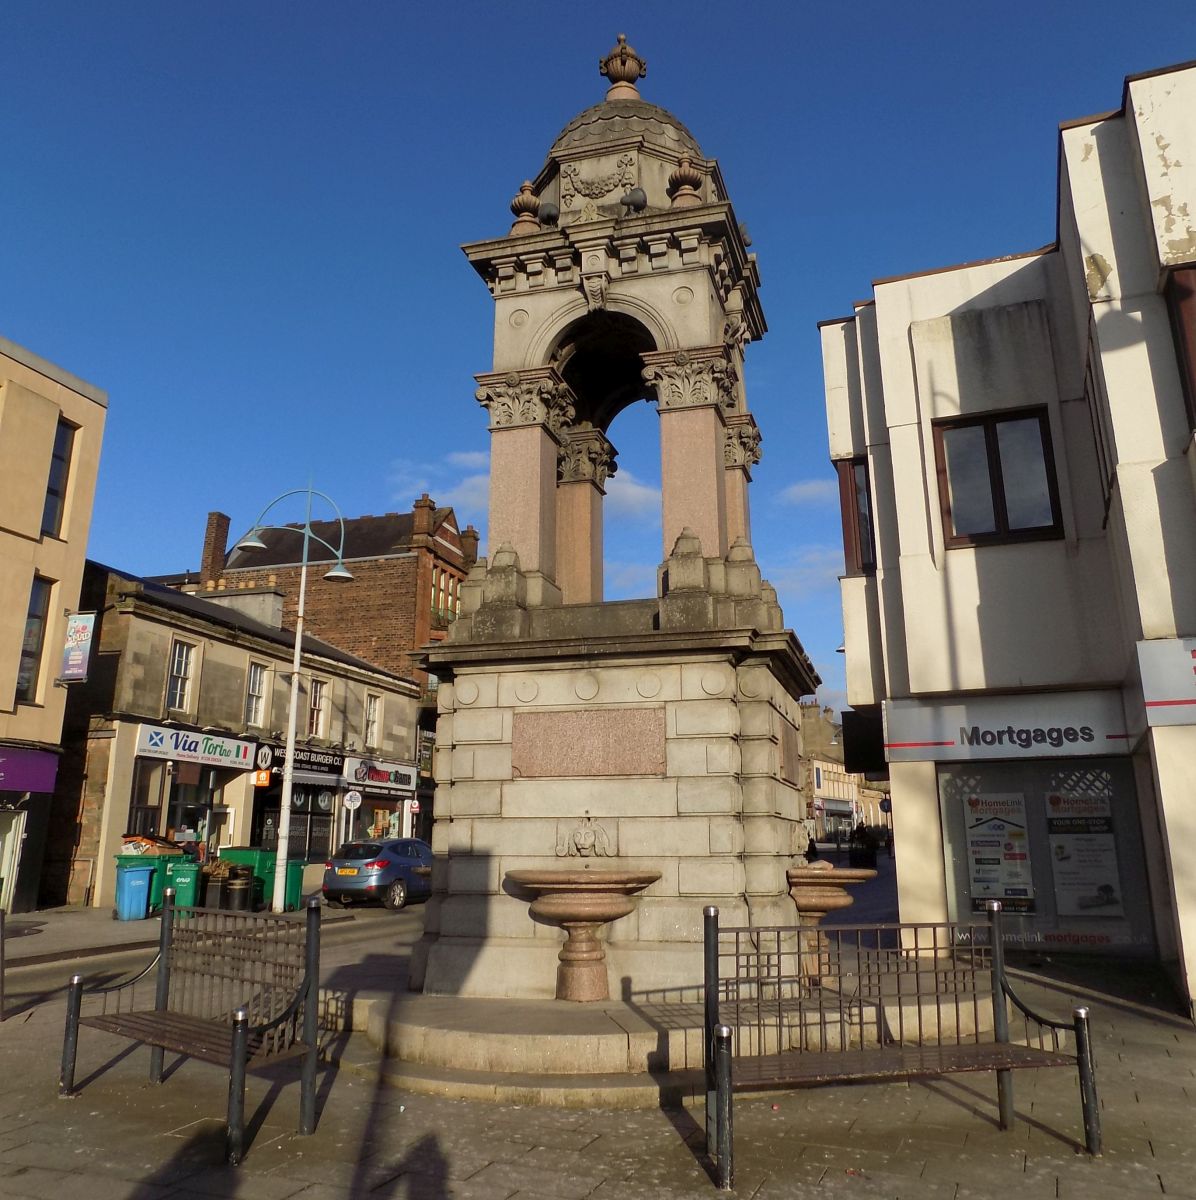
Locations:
(123, 1139)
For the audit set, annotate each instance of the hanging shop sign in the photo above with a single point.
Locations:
(185, 745)
(1168, 668)
(27, 770)
(998, 847)
(1083, 855)
(76, 652)
(380, 775)
(1047, 725)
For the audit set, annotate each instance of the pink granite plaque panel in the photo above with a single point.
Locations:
(562, 745)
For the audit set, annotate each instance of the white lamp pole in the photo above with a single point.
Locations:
(251, 541)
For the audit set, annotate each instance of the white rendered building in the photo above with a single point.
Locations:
(1014, 440)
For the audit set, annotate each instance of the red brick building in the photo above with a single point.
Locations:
(407, 568)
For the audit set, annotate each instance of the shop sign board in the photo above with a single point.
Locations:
(186, 745)
(380, 775)
(1168, 668)
(27, 770)
(310, 761)
(76, 652)
(1046, 725)
(998, 851)
(1083, 855)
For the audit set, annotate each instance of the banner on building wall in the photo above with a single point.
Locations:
(76, 652)
(381, 775)
(1083, 856)
(998, 847)
(1168, 668)
(1047, 725)
(185, 745)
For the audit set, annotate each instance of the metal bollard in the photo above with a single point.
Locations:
(1088, 1100)
(311, 1027)
(162, 985)
(1000, 1013)
(726, 1133)
(70, 1041)
(710, 948)
(234, 1146)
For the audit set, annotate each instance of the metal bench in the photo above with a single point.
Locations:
(237, 989)
(804, 1007)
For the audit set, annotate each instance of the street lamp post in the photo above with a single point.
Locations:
(251, 541)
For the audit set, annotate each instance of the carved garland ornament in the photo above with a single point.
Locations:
(573, 185)
(518, 401)
(692, 383)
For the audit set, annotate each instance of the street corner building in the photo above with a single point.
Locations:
(1014, 442)
(51, 426)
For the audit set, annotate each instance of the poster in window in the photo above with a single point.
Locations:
(998, 851)
(1083, 855)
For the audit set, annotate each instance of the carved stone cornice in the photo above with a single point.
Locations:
(697, 378)
(536, 397)
(585, 457)
(741, 446)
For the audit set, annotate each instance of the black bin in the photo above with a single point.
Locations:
(237, 893)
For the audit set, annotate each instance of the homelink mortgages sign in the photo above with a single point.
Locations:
(185, 745)
(1046, 725)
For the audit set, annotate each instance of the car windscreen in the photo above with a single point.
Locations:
(359, 850)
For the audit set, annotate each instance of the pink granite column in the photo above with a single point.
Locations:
(586, 460)
(527, 410)
(693, 390)
(741, 451)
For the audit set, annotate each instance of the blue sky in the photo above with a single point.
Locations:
(242, 219)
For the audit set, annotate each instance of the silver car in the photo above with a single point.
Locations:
(392, 870)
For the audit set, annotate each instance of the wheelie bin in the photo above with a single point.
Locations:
(182, 874)
(133, 891)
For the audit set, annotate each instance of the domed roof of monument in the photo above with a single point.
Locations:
(624, 112)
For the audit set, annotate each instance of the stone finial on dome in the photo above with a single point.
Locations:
(525, 206)
(622, 66)
(684, 183)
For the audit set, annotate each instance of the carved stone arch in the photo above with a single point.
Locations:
(542, 343)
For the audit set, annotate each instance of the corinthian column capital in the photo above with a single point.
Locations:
(536, 397)
(697, 378)
(585, 457)
(741, 447)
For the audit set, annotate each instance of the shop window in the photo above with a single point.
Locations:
(60, 465)
(996, 478)
(255, 695)
(34, 640)
(178, 684)
(373, 720)
(316, 702)
(855, 503)
(146, 796)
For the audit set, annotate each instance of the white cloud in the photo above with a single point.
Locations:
(628, 580)
(810, 491)
(469, 496)
(807, 569)
(630, 499)
(471, 460)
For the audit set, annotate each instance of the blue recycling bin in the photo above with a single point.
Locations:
(132, 892)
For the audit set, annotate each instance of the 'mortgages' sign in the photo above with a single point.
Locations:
(1038, 725)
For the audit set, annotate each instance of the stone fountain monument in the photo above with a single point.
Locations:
(645, 738)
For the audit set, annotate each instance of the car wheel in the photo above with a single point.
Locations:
(395, 896)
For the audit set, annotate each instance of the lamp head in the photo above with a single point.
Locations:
(251, 541)
(339, 573)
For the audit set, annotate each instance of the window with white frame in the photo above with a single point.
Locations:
(373, 719)
(255, 695)
(178, 685)
(316, 697)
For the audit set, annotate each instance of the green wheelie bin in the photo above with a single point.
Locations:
(182, 874)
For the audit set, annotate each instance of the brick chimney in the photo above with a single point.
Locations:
(469, 545)
(215, 544)
(422, 511)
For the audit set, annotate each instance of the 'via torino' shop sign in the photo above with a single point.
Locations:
(380, 775)
(185, 745)
(1046, 725)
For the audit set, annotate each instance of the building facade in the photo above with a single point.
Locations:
(178, 733)
(1014, 442)
(51, 426)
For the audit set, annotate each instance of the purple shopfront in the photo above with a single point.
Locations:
(26, 785)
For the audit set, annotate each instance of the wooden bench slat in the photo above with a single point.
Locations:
(208, 1041)
(799, 1068)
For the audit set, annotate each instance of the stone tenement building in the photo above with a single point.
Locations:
(406, 567)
